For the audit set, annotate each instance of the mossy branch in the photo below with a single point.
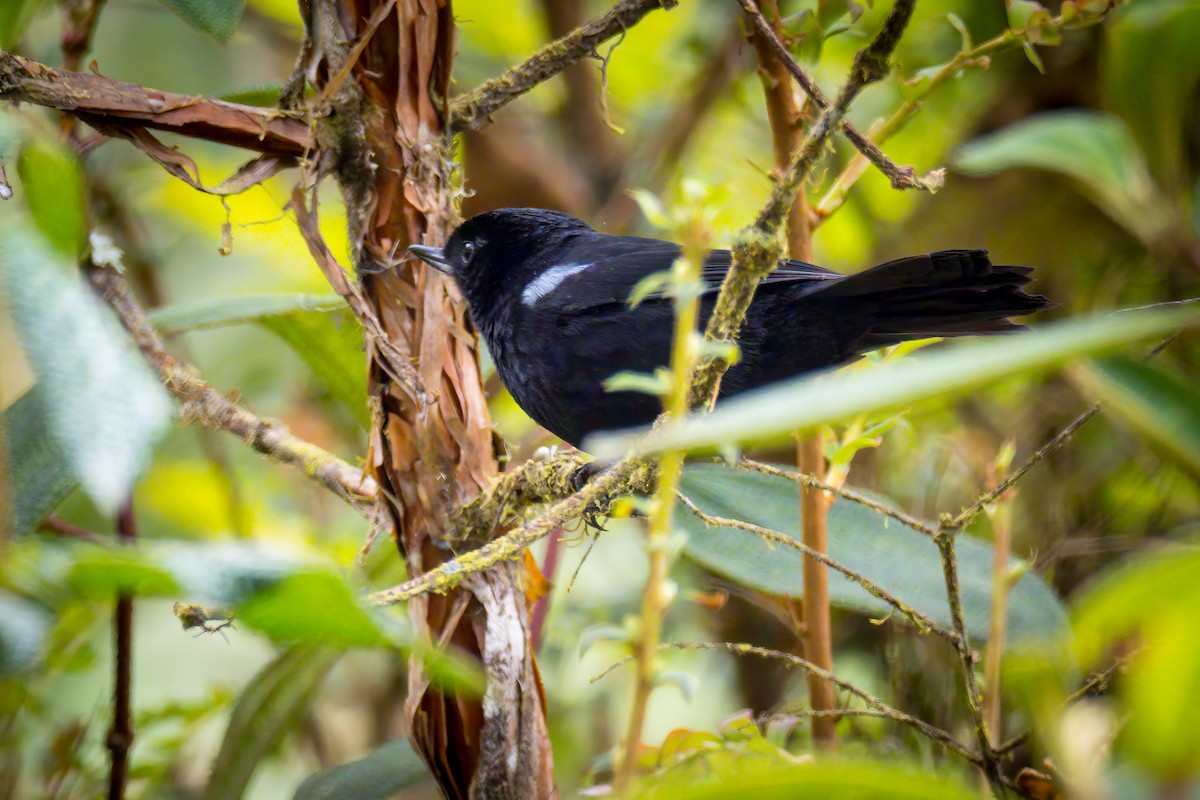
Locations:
(535, 482)
(472, 110)
(921, 621)
(625, 477)
(757, 250)
(199, 402)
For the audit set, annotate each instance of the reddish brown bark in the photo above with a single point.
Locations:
(430, 453)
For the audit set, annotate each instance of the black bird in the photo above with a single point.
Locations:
(550, 296)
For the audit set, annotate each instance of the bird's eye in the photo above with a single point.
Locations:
(468, 252)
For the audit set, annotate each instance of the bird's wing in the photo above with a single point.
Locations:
(605, 271)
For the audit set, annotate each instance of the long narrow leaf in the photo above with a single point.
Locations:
(775, 413)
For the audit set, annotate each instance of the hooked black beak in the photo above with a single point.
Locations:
(433, 256)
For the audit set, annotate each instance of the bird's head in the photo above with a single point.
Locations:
(494, 255)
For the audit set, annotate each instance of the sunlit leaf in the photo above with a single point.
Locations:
(777, 778)
(776, 412)
(380, 775)
(267, 708)
(1147, 609)
(23, 629)
(1161, 405)
(217, 18)
(38, 475)
(1094, 150)
(899, 559)
(225, 311)
(313, 607)
(53, 189)
(1149, 75)
(103, 406)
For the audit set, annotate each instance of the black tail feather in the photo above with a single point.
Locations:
(949, 293)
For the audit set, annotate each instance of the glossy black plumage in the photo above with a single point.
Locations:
(549, 295)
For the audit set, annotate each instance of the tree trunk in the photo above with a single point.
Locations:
(386, 143)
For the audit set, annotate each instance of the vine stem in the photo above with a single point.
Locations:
(655, 595)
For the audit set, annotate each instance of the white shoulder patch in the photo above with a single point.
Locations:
(548, 281)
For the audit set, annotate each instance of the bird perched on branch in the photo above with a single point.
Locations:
(550, 296)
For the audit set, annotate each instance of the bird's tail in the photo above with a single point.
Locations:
(949, 293)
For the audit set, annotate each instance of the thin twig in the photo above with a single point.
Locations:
(967, 515)
(60, 527)
(920, 620)
(655, 596)
(200, 403)
(120, 733)
(988, 763)
(936, 734)
(840, 491)
(1093, 685)
(900, 177)
(471, 111)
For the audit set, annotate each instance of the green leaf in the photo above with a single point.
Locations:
(270, 705)
(697, 779)
(1162, 406)
(896, 557)
(225, 311)
(103, 406)
(318, 327)
(380, 775)
(1149, 75)
(1094, 150)
(53, 190)
(39, 476)
(775, 413)
(23, 630)
(314, 607)
(15, 16)
(1149, 606)
(218, 18)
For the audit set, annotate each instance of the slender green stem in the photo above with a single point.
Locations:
(655, 594)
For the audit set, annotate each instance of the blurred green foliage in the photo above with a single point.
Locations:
(1088, 172)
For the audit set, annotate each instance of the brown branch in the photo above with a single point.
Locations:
(814, 628)
(471, 111)
(120, 733)
(61, 527)
(199, 402)
(105, 102)
(936, 734)
(900, 177)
